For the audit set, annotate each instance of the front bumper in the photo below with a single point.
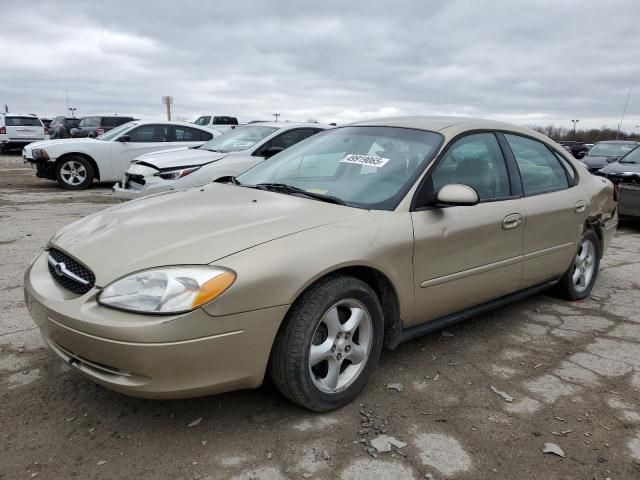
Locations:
(43, 167)
(137, 185)
(151, 356)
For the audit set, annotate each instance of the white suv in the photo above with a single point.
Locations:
(17, 130)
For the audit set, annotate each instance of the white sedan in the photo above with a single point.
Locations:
(75, 162)
(220, 159)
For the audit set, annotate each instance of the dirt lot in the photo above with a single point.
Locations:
(572, 370)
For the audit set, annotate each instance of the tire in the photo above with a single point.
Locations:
(321, 320)
(3, 150)
(578, 281)
(74, 173)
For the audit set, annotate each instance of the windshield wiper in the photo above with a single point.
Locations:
(284, 188)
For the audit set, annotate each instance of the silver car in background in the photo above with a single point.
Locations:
(220, 159)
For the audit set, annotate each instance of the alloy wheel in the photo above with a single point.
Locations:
(584, 265)
(340, 346)
(73, 172)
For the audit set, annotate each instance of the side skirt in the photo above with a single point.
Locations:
(410, 333)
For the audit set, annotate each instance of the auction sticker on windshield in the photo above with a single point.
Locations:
(370, 160)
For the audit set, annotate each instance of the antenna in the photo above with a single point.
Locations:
(624, 110)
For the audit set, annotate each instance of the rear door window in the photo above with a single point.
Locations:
(540, 170)
(110, 122)
(291, 137)
(186, 134)
(150, 133)
(22, 122)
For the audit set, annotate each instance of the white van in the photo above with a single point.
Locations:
(17, 130)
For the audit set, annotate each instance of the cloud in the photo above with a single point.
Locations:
(525, 62)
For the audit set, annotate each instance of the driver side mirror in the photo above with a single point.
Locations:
(124, 138)
(455, 194)
(271, 151)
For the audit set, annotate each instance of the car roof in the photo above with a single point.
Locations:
(169, 122)
(449, 126)
(33, 115)
(286, 125)
(626, 142)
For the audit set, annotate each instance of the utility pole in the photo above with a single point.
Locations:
(624, 110)
(574, 127)
(276, 115)
(168, 101)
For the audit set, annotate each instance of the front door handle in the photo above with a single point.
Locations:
(580, 206)
(511, 221)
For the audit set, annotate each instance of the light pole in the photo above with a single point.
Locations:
(574, 127)
(72, 110)
(276, 115)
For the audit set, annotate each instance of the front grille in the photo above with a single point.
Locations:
(64, 268)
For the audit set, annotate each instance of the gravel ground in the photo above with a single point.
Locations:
(478, 401)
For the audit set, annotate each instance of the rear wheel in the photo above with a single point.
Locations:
(329, 344)
(578, 281)
(74, 173)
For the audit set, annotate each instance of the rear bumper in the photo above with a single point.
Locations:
(629, 200)
(14, 144)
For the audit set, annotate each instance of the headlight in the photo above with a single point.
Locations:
(39, 153)
(174, 289)
(177, 173)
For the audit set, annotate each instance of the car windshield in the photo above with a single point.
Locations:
(365, 167)
(238, 139)
(114, 132)
(610, 149)
(632, 157)
(202, 121)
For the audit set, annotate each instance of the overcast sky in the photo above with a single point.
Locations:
(528, 62)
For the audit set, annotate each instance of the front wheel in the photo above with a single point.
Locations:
(578, 281)
(74, 173)
(329, 344)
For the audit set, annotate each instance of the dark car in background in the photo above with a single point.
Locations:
(60, 127)
(609, 151)
(576, 148)
(97, 125)
(625, 170)
(46, 122)
(625, 173)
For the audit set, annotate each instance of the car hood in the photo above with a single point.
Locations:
(60, 141)
(593, 161)
(194, 226)
(180, 157)
(617, 168)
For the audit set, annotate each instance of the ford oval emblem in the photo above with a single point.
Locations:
(59, 267)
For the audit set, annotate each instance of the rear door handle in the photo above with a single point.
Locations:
(580, 206)
(511, 221)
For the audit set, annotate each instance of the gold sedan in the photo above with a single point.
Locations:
(306, 265)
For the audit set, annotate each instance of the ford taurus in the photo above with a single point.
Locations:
(307, 265)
